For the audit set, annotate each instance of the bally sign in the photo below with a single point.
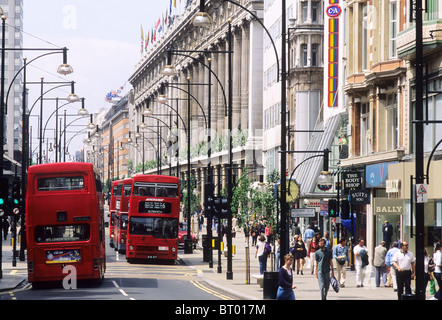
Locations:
(388, 206)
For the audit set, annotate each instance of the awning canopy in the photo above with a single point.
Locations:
(307, 174)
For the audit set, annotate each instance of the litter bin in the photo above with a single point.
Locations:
(188, 246)
(408, 296)
(270, 284)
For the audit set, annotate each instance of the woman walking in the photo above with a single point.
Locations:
(285, 280)
(300, 252)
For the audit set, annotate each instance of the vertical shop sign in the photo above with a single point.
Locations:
(333, 12)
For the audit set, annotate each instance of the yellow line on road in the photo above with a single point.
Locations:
(210, 291)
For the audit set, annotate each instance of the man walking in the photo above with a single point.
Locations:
(379, 263)
(403, 261)
(324, 263)
(340, 254)
(360, 252)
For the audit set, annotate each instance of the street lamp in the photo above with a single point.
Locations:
(169, 69)
(65, 68)
(202, 18)
(82, 111)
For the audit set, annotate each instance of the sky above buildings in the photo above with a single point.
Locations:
(104, 42)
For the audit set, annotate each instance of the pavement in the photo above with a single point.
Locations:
(244, 283)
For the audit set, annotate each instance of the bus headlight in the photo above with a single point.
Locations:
(131, 247)
(173, 249)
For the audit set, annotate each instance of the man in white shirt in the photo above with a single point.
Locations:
(359, 251)
(403, 261)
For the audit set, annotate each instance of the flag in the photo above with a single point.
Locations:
(142, 39)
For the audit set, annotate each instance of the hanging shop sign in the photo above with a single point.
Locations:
(358, 197)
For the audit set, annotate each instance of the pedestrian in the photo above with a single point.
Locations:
(403, 261)
(340, 254)
(277, 252)
(254, 232)
(327, 239)
(324, 264)
(260, 254)
(5, 227)
(379, 263)
(296, 230)
(285, 280)
(360, 251)
(313, 246)
(299, 253)
(269, 232)
(308, 235)
(437, 258)
(390, 266)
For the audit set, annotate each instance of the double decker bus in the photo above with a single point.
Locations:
(117, 189)
(64, 222)
(153, 218)
(121, 217)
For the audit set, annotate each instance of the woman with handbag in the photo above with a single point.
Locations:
(300, 252)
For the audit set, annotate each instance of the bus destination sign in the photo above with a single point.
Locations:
(154, 207)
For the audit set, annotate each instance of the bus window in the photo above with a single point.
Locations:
(60, 183)
(157, 227)
(155, 190)
(65, 233)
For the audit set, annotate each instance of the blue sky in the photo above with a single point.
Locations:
(103, 38)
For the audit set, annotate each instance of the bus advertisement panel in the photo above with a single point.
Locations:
(64, 222)
(153, 218)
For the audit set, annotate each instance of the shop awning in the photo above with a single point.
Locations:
(307, 174)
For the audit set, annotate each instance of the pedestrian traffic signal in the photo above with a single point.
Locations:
(332, 208)
(222, 208)
(4, 192)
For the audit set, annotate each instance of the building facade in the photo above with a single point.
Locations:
(190, 90)
(379, 96)
(13, 10)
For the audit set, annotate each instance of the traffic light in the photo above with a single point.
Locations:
(332, 208)
(4, 192)
(16, 193)
(345, 209)
(222, 208)
(209, 203)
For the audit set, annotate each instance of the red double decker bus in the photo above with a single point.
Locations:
(117, 189)
(153, 218)
(64, 222)
(121, 217)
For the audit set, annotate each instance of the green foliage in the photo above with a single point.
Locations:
(250, 203)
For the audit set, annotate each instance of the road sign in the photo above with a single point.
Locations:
(421, 193)
(303, 213)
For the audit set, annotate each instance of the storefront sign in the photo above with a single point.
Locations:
(388, 206)
(352, 181)
(376, 175)
(359, 197)
(333, 12)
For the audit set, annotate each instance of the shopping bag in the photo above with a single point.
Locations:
(334, 283)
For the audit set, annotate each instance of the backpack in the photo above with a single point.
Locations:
(267, 249)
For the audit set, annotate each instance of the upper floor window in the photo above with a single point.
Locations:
(393, 28)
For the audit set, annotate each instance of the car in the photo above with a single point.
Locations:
(182, 235)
